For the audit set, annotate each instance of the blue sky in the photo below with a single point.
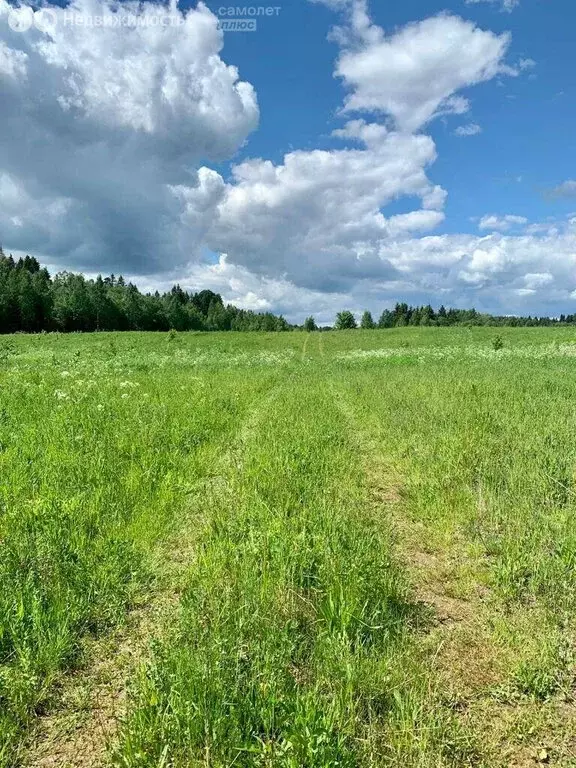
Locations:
(420, 152)
(528, 124)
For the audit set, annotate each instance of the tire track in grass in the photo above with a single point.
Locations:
(294, 647)
(427, 572)
(467, 659)
(428, 568)
(92, 701)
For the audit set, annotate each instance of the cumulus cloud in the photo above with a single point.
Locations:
(414, 75)
(102, 126)
(494, 272)
(501, 223)
(107, 135)
(316, 218)
(491, 269)
(534, 280)
(239, 286)
(470, 129)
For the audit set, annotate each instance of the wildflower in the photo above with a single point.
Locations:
(64, 374)
(60, 394)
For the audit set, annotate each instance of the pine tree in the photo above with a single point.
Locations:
(367, 320)
(310, 324)
(386, 319)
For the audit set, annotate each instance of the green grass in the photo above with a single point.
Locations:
(294, 646)
(345, 489)
(98, 458)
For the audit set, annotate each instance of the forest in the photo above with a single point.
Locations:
(32, 301)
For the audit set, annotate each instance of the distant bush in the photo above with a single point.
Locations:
(497, 343)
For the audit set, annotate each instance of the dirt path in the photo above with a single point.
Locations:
(434, 572)
(92, 701)
(468, 663)
(443, 578)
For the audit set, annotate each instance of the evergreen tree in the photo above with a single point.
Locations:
(427, 315)
(30, 300)
(386, 319)
(310, 324)
(367, 320)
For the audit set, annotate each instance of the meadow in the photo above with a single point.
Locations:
(302, 550)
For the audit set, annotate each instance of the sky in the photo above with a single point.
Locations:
(337, 154)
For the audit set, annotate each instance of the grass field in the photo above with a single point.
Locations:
(353, 548)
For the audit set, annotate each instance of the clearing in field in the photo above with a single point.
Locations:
(351, 549)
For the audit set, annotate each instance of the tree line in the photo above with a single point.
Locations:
(405, 315)
(32, 301)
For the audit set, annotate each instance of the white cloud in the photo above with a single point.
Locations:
(12, 63)
(495, 272)
(243, 288)
(470, 129)
(505, 5)
(566, 189)
(535, 280)
(317, 218)
(501, 223)
(490, 270)
(106, 135)
(414, 75)
(415, 221)
(101, 124)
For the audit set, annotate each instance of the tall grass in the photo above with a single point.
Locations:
(300, 639)
(487, 458)
(294, 644)
(96, 462)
